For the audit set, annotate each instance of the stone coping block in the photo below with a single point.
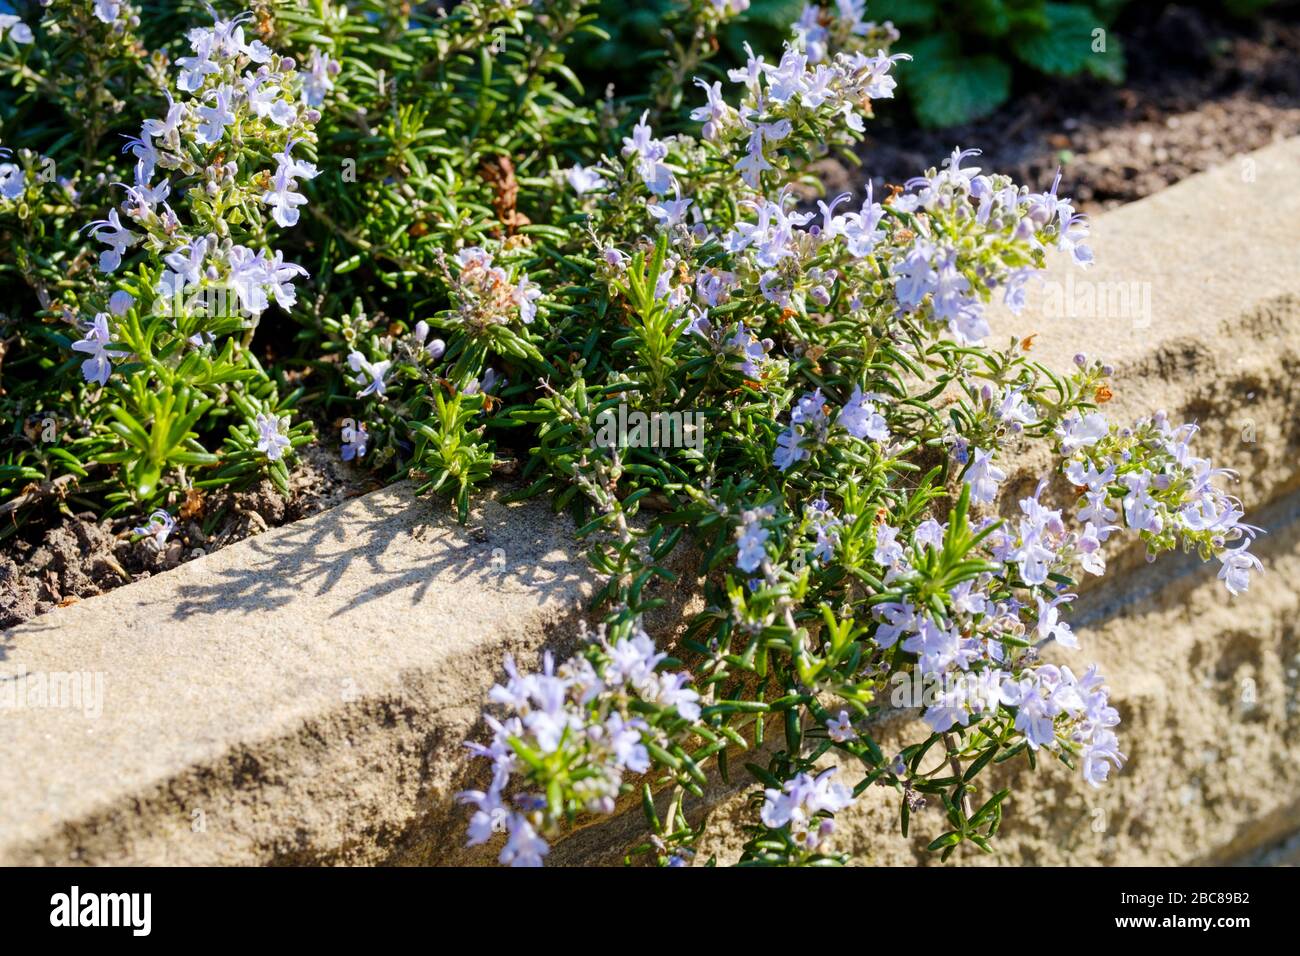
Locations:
(1194, 299)
(302, 696)
(292, 698)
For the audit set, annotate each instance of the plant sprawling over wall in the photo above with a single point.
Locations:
(417, 232)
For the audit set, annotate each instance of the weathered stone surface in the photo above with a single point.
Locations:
(301, 697)
(1210, 330)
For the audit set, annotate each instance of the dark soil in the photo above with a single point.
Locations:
(57, 559)
(1201, 89)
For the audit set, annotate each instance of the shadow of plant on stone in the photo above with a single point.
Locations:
(401, 543)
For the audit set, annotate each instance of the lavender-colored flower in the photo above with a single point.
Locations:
(650, 154)
(888, 551)
(282, 199)
(752, 352)
(117, 237)
(370, 375)
(195, 68)
(524, 846)
(99, 366)
(18, 31)
(860, 418)
(525, 294)
(355, 439)
(799, 800)
(318, 80)
(1050, 626)
(670, 212)
(1084, 431)
(272, 440)
(826, 525)
(983, 477)
(789, 448)
(583, 180)
(120, 302)
(752, 538)
(158, 528)
(840, 729)
(1236, 567)
(217, 116)
(13, 182)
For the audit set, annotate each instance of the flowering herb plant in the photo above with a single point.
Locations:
(484, 262)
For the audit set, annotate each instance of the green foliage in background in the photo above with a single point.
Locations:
(967, 51)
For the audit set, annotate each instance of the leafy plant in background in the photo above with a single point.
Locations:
(966, 51)
(452, 253)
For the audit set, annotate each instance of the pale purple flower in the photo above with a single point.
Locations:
(786, 79)
(1050, 626)
(650, 154)
(98, 367)
(158, 528)
(1082, 432)
(583, 180)
(167, 128)
(860, 418)
(789, 448)
(752, 538)
(799, 800)
(929, 533)
(916, 275)
(117, 237)
(888, 552)
(1073, 233)
(1141, 510)
(983, 477)
(370, 375)
(120, 302)
(715, 111)
(355, 439)
(840, 729)
(524, 846)
(18, 31)
(13, 182)
(279, 279)
(195, 68)
(1236, 567)
(670, 691)
(187, 262)
(626, 741)
(247, 277)
(1091, 557)
(271, 439)
(217, 116)
(670, 212)
(861, 229)
(525, 294)
(1014, 409)
(752, 351)
(881, 85)
(282, 199)
(318, 78)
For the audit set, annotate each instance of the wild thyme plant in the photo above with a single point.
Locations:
(481, 265)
